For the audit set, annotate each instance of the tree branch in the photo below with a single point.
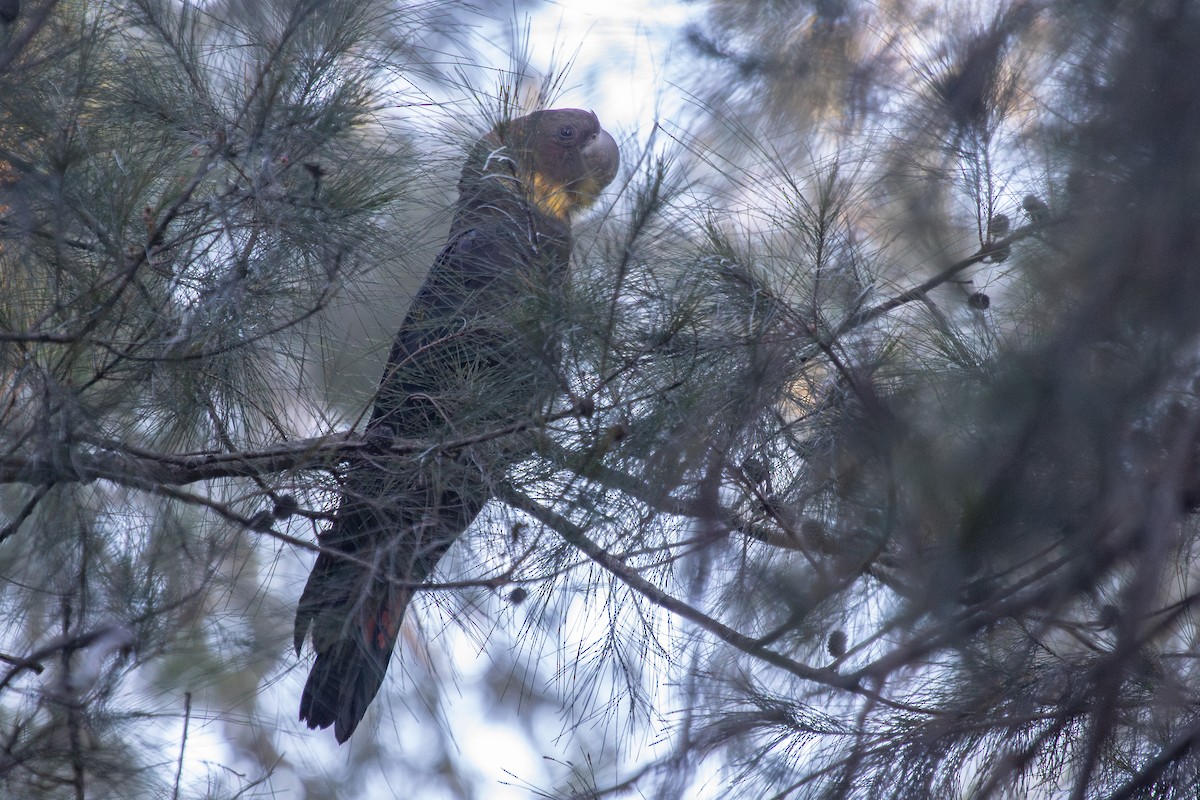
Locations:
(127, 465)
(919, 291)
(575, 535)
(148, 470)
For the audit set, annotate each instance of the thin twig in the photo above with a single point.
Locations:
(187, 718)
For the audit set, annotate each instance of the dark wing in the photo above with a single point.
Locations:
(458, 365)
(454, 326)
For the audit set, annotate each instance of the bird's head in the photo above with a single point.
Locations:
(562, 159)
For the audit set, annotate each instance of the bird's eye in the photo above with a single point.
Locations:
(566, 132)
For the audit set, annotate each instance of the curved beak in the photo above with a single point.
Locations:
(601, 159)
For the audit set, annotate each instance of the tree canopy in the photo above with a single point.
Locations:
(873, 472)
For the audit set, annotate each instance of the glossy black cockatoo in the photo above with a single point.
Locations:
(476, 356)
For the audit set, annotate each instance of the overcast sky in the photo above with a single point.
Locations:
(626, 53)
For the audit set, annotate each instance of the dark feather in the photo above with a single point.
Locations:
(473, 356)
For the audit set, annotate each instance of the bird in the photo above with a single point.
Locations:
(476, 354)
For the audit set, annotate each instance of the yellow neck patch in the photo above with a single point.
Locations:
(552, 199)
(557, 200)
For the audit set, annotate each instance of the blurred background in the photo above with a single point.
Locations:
(874, 474)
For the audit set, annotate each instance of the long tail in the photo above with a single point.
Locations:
(353, 638)
(353, 604)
